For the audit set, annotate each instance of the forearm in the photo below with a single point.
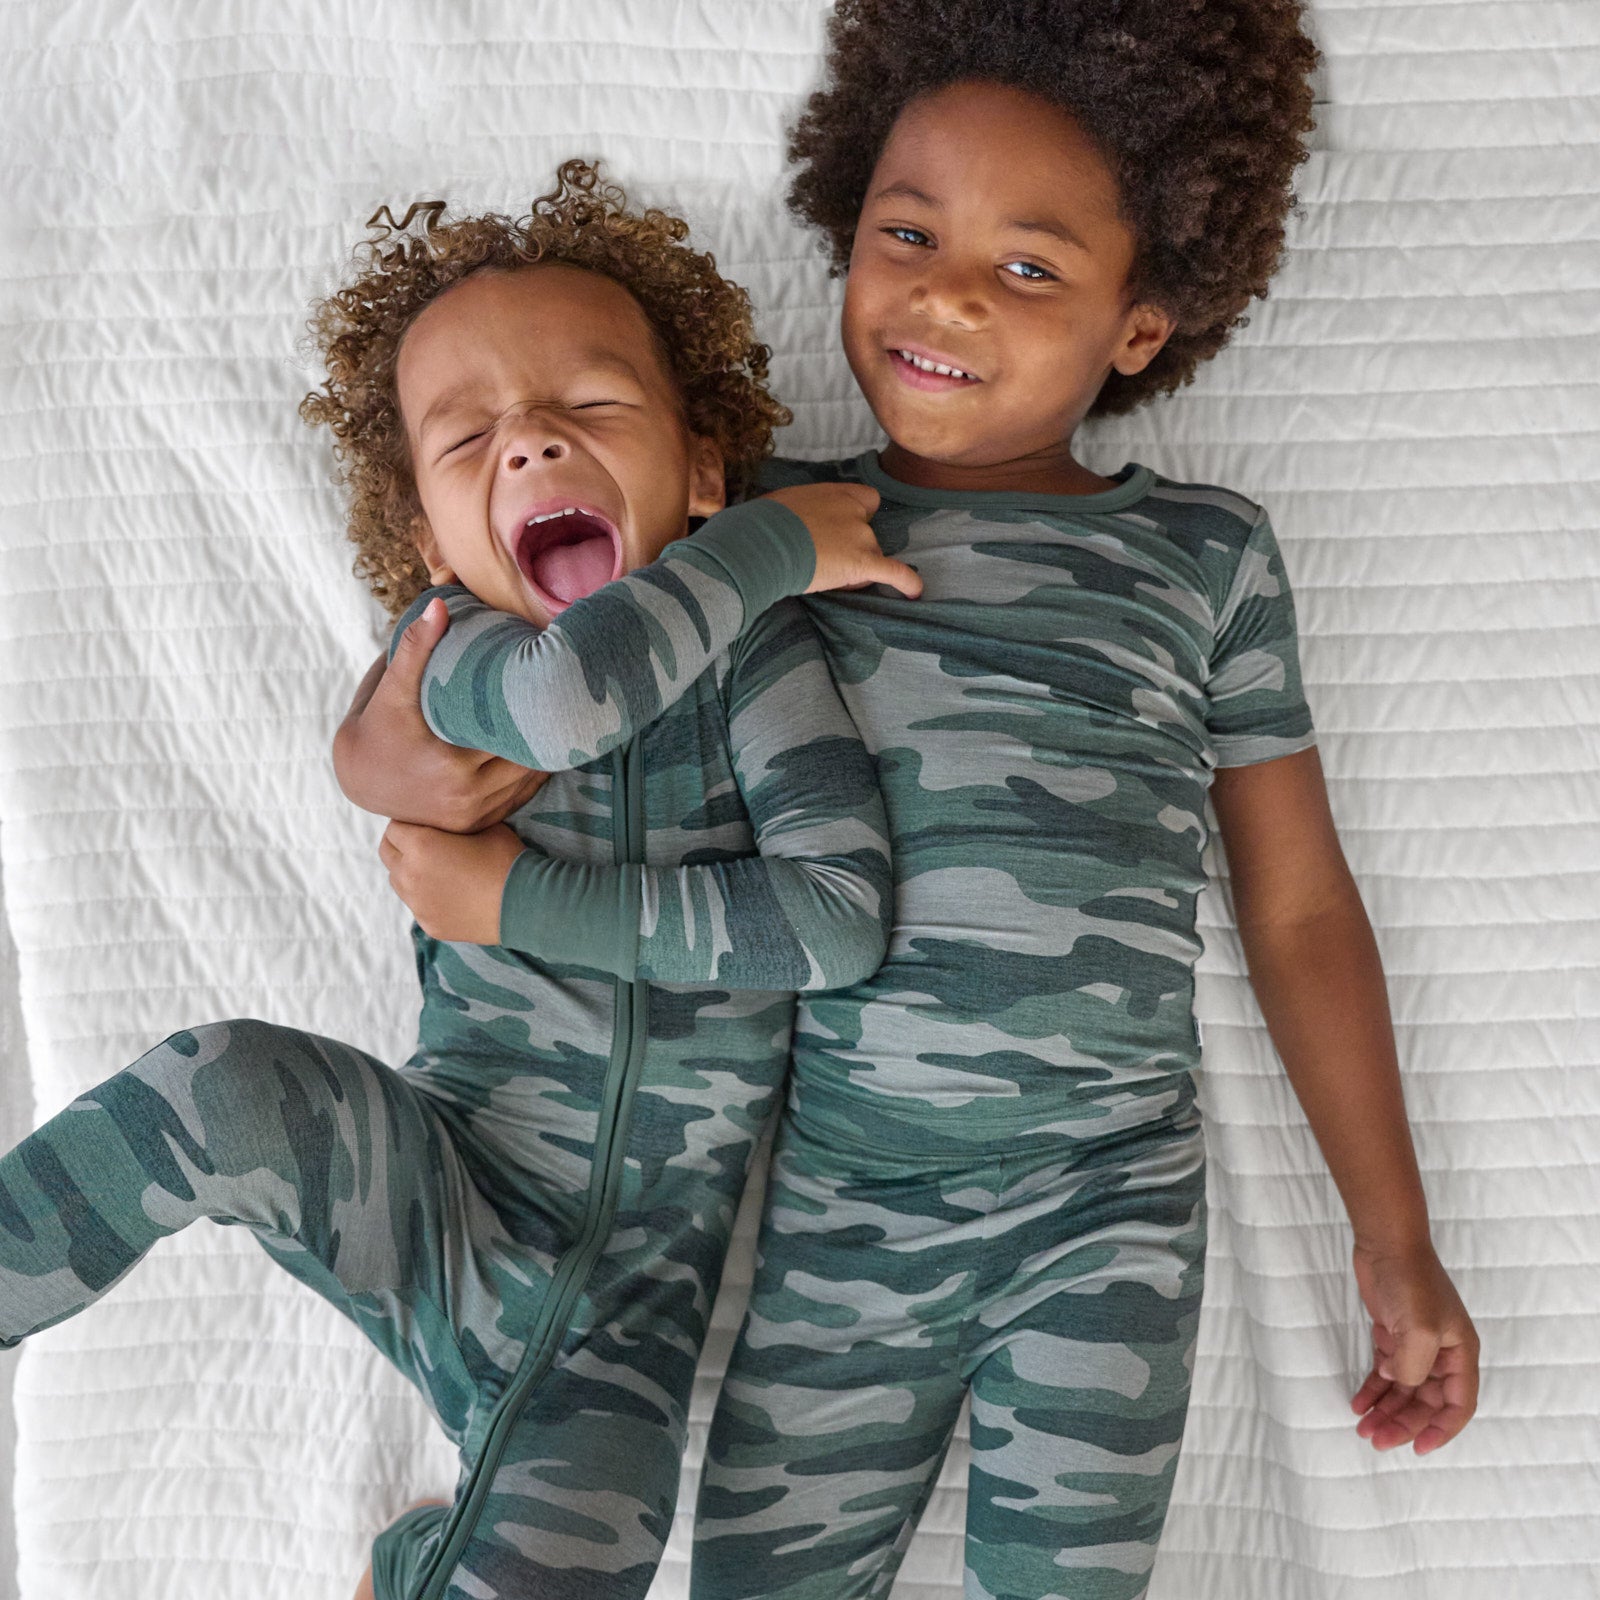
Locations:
(1320, 985)
(752, 923)
(610, 664)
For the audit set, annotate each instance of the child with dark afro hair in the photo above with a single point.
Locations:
(1197, 107)
(989, 1180)
(989, 1177)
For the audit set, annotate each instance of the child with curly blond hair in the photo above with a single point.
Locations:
(530, 1217)
(989, 1177)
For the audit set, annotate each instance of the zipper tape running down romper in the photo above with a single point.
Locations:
(573, 1270)
(526, 1219)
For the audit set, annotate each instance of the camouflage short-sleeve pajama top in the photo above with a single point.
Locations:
(989, 1174)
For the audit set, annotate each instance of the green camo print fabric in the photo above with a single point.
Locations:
(545, 1190)
(1045, 719)
(989, 1180)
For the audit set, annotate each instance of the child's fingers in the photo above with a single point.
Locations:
(1457, 1373)
(1370, 1392)
(1446, 1424)
(397, 838)
(417, 642)
(1403, 1426)
(1412, 1358)
(897, 575)
(1389, 1404)
(1377, 1382)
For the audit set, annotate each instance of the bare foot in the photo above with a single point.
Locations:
(364, 1588)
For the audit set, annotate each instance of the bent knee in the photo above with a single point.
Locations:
(245, 1071)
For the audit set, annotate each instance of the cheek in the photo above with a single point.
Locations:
(653, 472)
(438, 496)
(857, 322)
(858, 298)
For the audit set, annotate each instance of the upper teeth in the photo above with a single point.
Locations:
(932, 366)
(565, 511)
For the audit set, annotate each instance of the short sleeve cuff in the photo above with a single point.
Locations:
(1250, 749)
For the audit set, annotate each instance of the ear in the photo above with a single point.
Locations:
(708, 483)
(1143, 334)
(439, 570)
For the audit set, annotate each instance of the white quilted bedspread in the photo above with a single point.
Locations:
(179, 630)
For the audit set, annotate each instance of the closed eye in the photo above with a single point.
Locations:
(461, 443)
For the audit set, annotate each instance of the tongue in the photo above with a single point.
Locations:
(571, 571)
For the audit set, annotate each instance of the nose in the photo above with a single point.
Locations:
(952, 292)
(530, 437)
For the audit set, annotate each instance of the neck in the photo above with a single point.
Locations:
(1046, 472)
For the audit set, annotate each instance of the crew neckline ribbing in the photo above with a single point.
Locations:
(1132, 484)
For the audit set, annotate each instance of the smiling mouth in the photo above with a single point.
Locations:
(923, 372)
(567, 554)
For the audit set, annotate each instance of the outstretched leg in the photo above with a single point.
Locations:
(339, 1164)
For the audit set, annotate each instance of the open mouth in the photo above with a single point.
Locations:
(567, 553)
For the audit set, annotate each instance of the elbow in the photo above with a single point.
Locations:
(851, 973)
(862, 943)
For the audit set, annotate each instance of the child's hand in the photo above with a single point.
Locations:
(388, 760)
(1424, 1380)
(848, 556)
(451, 881)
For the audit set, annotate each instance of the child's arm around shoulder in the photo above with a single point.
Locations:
(1316, 972)
(557, 697)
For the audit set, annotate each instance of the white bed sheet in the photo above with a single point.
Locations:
(1417, 405)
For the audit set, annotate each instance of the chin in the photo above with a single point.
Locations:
(936, 429)
(938, 442)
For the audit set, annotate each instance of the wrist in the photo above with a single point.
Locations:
(1395, 1236)
(764, 550)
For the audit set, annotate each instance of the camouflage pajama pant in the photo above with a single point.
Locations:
(466, 1271)
(1062, 1287)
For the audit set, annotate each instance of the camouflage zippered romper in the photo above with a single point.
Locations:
(530, 1217)
(989, 1176)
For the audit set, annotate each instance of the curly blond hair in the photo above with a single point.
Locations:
(702, 321)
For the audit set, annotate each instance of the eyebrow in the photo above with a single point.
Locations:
(907, 191)
(1054, 228)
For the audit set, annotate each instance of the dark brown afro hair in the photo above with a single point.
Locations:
(701, 321)
(1199, 107)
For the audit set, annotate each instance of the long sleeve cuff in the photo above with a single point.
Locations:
(763, 547)
(566, 911)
